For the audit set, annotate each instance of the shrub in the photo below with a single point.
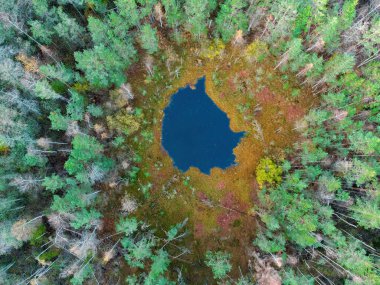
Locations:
(267, 172)
(219, 262)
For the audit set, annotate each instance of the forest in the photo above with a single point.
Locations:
(88, 194)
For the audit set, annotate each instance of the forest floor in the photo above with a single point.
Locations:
(220, 207)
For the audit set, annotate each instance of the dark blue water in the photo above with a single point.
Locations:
(196, 132)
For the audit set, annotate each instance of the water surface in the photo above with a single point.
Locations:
(196, 132)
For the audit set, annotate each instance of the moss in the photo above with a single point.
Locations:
(236, 223)
(38, 237)
(58, 86)
(50, 254)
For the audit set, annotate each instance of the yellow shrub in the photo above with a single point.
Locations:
(3, 149)
(215, 49)
(81, 87)
(256, 50)
(30, 63)
(267, 172)
(123, 122)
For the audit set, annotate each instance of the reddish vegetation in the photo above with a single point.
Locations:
(340, 115)
(229, 201)
(265, 96)
(255, 185)
(157, 134)
(202, 196)
(198, 230)
(221, 185)
(226, 219)
(244, 74)
(293, 112)
(232, 85)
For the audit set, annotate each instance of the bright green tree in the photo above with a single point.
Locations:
(173, 12)
(197, 15)
(58, 71)
(231, 18)
(291, 278)
(85, 218)
(303, 20)
(67, 28)
(159, 266)
(86, 152)
(53, 183)
(219, 262)
(102, 66)
(348, 14)
(41, 32)
(76, 106)
(367, 212)
(149, 39)
(43, 90)
(364, 142)
(58, 121)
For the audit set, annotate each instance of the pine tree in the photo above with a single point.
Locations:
(59, 72)
(43, 90)
(367, 212)
(129, 10)
(68, 29)
(348, 13)
(53, 183)
(173, 13)
(85, 219)
(7, 240)
(148, 38)
(76, 106)
(41, 32)
(58, 121)
(219, 262)
(86, 152)
(364, 142)
(102, 66)
(231, 18)
(303, 20)
(197, 14)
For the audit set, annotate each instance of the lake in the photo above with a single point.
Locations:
(196, 132)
